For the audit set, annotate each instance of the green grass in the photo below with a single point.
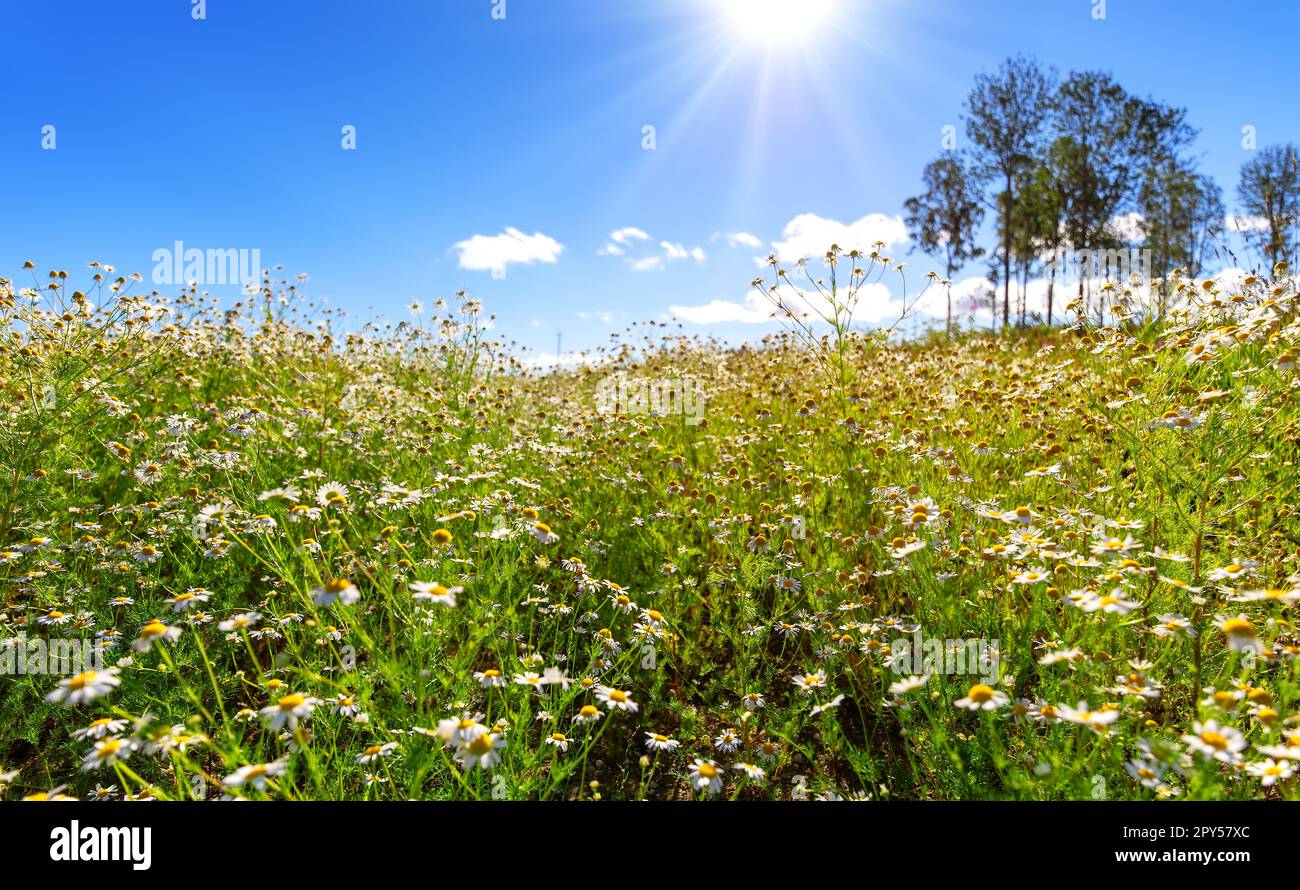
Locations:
(821, 456)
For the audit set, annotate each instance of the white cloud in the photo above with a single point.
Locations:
(623, 243)
(621, 238)
(494, 252)
(681, 252)
(876, 304)
(1130, 227)
(753, 310)
(740, 239)
(809, 235)
(628, 233)
(674, 251)
(546, 361)
(1238, 223)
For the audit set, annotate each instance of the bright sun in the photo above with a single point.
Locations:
(776, 21)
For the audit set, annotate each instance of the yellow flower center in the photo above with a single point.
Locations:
(1238, 627)
(1214, 739)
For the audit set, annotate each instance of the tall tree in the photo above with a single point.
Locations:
(1269, 189)
(1106, 139)
(1006, 112)
(1182, 217)
(1043, 208)
(945, 219)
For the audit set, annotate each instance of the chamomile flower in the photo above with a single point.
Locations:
(154, 631)
(431, 591)
(982, 697)
(1098, 721)
(658, 742)
(460, 731)
(98, 729)
(288, 710)
(1213, 740)
(727, 741)
(908, 684)
(85, 686)
(332, 494)
(256, 774)
(542, 532)
(615, 699)
(706, 776)
(373, 753)
(1270, 771)
(491, 678)
(1240, 633)
(340, 589)
(107, 752)
(183, 602)
(482, 751)
(810, 683)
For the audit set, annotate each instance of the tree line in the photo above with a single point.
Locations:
(1080, 162)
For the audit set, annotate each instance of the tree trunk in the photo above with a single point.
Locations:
(1006, 254)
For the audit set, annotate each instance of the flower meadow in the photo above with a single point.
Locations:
(308, 558)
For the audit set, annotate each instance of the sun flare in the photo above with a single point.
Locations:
(775, 21)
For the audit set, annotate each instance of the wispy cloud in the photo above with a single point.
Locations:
(680, 252)
(627, 242)
(739, 239)
(621, 239)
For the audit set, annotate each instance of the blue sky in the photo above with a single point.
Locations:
(226, 132)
